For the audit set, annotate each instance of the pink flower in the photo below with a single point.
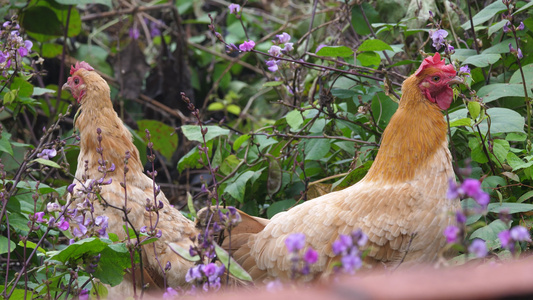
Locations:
(274, 50)
(247, 46)
(311, 256)
(478, 248)
(234, 8)
(272, 65)
(62, 224)
(452, 233)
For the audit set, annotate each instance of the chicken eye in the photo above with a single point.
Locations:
(435, 78)
(76, 81)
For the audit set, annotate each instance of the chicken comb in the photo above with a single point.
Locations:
(435, 61)
(80, 65)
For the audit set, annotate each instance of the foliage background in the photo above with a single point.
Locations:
(274, 139)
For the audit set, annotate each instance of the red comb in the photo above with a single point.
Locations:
(435, 61)
(80, 65)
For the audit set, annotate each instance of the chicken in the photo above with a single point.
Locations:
(96, 114)
(400, 204)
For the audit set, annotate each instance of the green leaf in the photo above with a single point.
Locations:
(335, 51)
(215, 106)
(51, 50)
(490, 232)
(183, 252)
(4, 243)
(162, 136)
(477, 154)
(294, 119)
(24, 88)
(46, 162)
(190, 205)
(368, 59)
(193, 132)
(96, 56)
(525, 197)
(77, 2)
(528, 75)
(272, 83)
(527, 6)
(374, 45)
(474, 108)
(500, 149)
(516, 137)
(461, 122)
(496, 91)
(34, 17)
(32, 245)
(274, 176)
(9, 97)
(486, 14)
(229, 164)
(482, 60)
(237, 188)
(497, 26)
(5, 143)
(239, 141)
(149, 241)
(503, 120)
(234, 268)
(511, 208)
(502, 47)
(316, 149)
(38, 91)
(279, 206)
(234, 109)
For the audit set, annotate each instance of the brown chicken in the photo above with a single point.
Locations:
(400, 204)
(96, 112)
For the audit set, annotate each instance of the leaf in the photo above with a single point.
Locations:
(183, 252)
(34, 17)
(354, 176)
(525, 197)
(528, 75)
(193, 132)
(234, 109)
(461, 122)
(368, 59)
(24, 88)
(316, 149)
(238, 186)
(523, 8)
(497, 26)
(234, 268)
(279, 206)
(239, 141)
(485, 14)
(94, 55)
(477, 154)
(490, 232)
(46, 162)
(294, 119)
(335, 51)
(215, 106)
(274, 176)
(161, 136)
(500, 149)
(474, 108)
(511, 208)
(272, 83)
(496, 91)
(190, 205)
(38, 91)
(503, 120)
(502, 47)
(4, 243)
(5, 144)
(482, 60)
(374, 45)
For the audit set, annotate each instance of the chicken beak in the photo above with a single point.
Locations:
(456, 80)
(66, 87)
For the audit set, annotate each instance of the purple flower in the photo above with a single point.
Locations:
(247, 46)
(62, 224)
(359, 237)
(234, 8)
(283, 38)
(6, 23)
(170, 293)
(154, 28)
(194, 273)
(341, 245)
(519, 53)
(134, 33)
(79, 231)
(84, 295)
(452, 233)
(521, 26)
(520, 234)
(482, 199)
(505, 238)
(438, 37)
(288, 47)
(311, 256)
(454, 191)
(478, 248)
(3, 56)
(39, 216)
(272, 65)
(295, 242)
(52, 206)
(320, 47)
(71, 187)
(460, 217)
(471, 187)
(506, 27)
(464, 70)
(274, 50)
(450, 49)
(24, 50)
(47, 153)
(351, 261)
(102, 221)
